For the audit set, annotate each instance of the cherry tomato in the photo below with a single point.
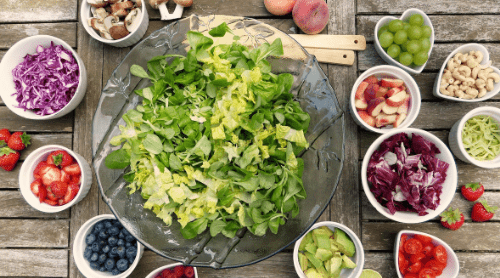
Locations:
(435, 266)
(402, 262)
(427, 250)
(439, 253)
(424, 239)
(402, 242)
(413, 246)
(411, 275)
(417, 257)
(426, 273)
(415, 267)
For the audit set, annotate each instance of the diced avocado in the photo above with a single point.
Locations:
(336, 274)
(322, 241)
(312, 273)
(306, 240)
(344, 243)
(322, 231)
(311, 248)
(322, 271)
(333, 245)
(323, 254)
(316, 262)
(327, 230)
(347, 263)
(304, 262)
(335, 264)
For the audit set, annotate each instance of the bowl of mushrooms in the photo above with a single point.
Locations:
(119, 23)
(467, 75)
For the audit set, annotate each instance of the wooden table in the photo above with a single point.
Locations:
(34, 244)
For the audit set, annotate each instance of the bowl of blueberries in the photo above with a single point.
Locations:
(104, 248)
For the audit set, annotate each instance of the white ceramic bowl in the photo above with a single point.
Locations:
(129, 40)
(405, 16)
(455, 137)
(449, 186)
(452, 265)
(465, 49)
(359, 255)
(15, 56)
(160, 269)
(79, 246)
(386, 71)
(26, 178)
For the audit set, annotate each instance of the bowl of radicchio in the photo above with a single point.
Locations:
(42, 78)
(409, 175)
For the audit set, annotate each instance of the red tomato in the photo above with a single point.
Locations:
(402, 262)
(424, 239)
(411, 275)
(426, 273)
(427, 250)
(413, 246)
(435, 266)
(415, 267)
(439, 253)
(417, 257)
(402, 242)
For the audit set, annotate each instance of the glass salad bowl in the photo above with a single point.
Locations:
(323, 159)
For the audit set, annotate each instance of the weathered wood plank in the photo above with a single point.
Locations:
(428, 6)
(12, 33)
(10, 179)
(38, 10)
(381, 235)
(34, 233)
(33, 263)
(370, 58)
(12, 204)
(446, 27)
(12, 121)
(39, 140)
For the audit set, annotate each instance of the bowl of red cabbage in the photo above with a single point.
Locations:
(42, 78)
(409, 175)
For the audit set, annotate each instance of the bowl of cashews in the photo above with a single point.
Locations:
(467, 75)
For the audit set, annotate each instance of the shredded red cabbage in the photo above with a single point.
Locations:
(47, 80)
(405, 175)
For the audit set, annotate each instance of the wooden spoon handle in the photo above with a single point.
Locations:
(351, 42)
(332, 56)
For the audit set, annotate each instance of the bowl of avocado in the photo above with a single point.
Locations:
(328, 249)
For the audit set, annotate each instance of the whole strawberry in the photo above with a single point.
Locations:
(452, 219)
(472, 191)
(481, 211)
(19, 140)
(8, 158)
(4, 136)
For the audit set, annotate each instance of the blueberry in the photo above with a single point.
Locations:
(122, 265)
(108, 224)
(121, 234)
(114, 231)
(103, 234)
(131, 252)
(98, 227)
(118, 225)
(102, 258)
(126, 232)
(94, 257)
(87, 253)
(109, 264)
(106, 249)
(114, 252)
(128, 244)
(121, 242)
(115, 271)
(94, 265)
(96, 247)
(129, 238)
(102, 268)
(131, 260)
(120, 250)
(90, 239)
(112, 241)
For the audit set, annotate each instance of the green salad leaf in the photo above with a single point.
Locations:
(214, 143)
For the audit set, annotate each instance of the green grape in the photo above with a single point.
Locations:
(382, 30)
(406, 26)
(400, 37)
(416, 20)
(425, 44)
(426, 31)
(413, 46)
(404, 47)
(394, 50)
(414, 33)
(386, 39)
(395, 25)
(405, 58)
(420, 58)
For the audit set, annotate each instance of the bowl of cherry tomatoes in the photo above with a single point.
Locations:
(421, 255)
(174, 270)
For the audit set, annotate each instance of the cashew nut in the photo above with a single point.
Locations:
(447, 74)
(489, 85)
(475, 71)
(479, 56)
(480, 83)
(484, 73)
(464, 70)
(457, 75)
(451, 65)
(469, 81)
(471, 62)
(494, 76)
(452, 89)
(472, 92)
(482, 92)
(458, 58)
(444, 91)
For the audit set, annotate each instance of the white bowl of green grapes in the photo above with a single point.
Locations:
(405, 42)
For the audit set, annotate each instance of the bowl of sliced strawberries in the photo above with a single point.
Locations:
(383, 98)
(53, 178)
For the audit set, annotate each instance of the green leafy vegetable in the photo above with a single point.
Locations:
(214, 144)
(481, 137)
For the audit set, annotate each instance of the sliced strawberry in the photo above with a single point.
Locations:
(71, 193)
(59, 188)
(44, 168)
(60, 202)
(35, 185)
(42, 193)
(51, 175)
(75, 179)
(50, 195)
(73, 169)
(38, 167)
(37, 177)
(65, 177)
(50, 202)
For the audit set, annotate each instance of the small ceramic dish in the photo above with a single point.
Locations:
(157, 271)
(130, 39)
(358, 258)
(26, 178)
(79, 246)
(449, 185)
(486, 59)
(406, 15)
(452, 265)
(15, 55)
(455, 137)
(386, 71)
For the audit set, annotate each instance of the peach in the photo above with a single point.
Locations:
(375, 106)
(383, 119)
(397, 99)
(382, 91)
(391, 82)
(360, 91)
(403, 108)
(392, 92)
(371, 79)
(279, 7)
(371, 91)
(360, 104)
(311, 16)
(399, 119)
(387, 109)
(367, 118)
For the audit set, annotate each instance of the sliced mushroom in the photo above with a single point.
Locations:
(138, 3)
(120, 8)
(118, 31)
(97, 3)
(184, 3)
(133, 19)
(96, 23)
(110, 20)
(101, 13)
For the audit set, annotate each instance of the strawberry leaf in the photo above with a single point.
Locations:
(57, 159)
(2, 142)
(6, 151)
(487, 207)
(474, 186)
(25, 138)
(451, 216)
